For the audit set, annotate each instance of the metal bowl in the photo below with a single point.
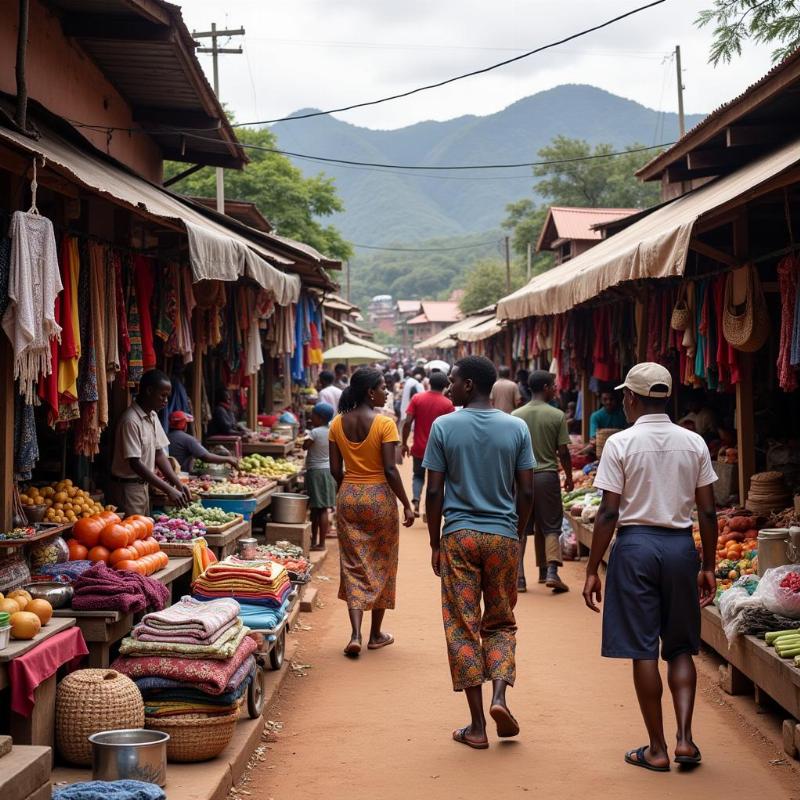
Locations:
(133, 754)
(35, 513)
(289, 508)
(57, 594)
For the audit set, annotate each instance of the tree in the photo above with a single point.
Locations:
(762, 21)
(290, 201)
(486, 283)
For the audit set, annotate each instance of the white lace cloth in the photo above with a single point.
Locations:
(33, 286)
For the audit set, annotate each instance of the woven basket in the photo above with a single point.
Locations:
(746, 330)
(195, 737)
(681, 316)
(92, 700)
(602, 437)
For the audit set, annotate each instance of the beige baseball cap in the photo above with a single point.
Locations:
(643, 377)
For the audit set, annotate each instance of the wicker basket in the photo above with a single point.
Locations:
(602, 437)
(195, 737)
(92, 700)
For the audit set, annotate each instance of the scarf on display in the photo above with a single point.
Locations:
(168, 302)
(122, 321)
(34, 283)
(26, 446)
(144, 279)
(87, 430)
(300, 340)
(135, 355)
(255, 353)
(111, 330)
(69, 351)
(788, 282)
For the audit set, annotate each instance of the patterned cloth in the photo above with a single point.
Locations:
(26, 445)
(188, 620)
(480, 646)
(368, 528)
(223, 648)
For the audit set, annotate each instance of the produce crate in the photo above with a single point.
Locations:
(244, 506)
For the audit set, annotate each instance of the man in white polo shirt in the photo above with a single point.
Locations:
(652, 474)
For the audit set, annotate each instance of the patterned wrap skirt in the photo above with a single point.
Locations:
(368, 528)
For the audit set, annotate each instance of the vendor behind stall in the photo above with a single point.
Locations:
(700, 418)
(140, 446)
(184, 448)
(223, 421)
(609, 415)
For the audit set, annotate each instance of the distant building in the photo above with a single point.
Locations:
(434, 316)
(568, 232)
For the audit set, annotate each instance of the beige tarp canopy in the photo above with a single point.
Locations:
(487, 329)
(353, 354)
(447, 338)
(654, 247)
(215, 252)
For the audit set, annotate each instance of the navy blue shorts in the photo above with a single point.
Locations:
(651, 595)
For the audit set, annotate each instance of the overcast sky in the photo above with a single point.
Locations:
(318, 53)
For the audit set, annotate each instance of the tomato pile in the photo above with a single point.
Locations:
(791, 581)
(122, 544)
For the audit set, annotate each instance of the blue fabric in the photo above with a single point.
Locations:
(699, 359)
(479, 451)
(110, 790)
(178, 401)
(602, 419)
(259, 618)
(651, 594)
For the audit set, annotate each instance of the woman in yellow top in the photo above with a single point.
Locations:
(364, 442)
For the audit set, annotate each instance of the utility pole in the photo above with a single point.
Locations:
(215, 51)
(681, 117)
(347, 275)
(508, 266)
(530, 258)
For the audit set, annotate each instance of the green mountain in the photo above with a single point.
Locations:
(384, 206)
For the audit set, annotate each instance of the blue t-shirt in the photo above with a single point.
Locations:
(603, 419)
(479, 451)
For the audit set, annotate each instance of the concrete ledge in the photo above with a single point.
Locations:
(308, 599)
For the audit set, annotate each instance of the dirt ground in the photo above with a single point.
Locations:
(380, 726)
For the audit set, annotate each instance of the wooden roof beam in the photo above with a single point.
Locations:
(111, 28)
(714, 253)
(754, 135)
(191, 156)
(177, 118)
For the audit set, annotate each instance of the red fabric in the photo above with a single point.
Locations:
(27, 671)
(145, 286)
(726, 355)
(69, 347)
(787, 280)
(425, 407)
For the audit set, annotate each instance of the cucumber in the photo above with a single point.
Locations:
(771, 636)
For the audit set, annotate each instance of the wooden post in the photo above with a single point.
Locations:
(287, 381)
(269, 380)
(587, 407)
(252, 403)
(7, 433)
(508, 343)
(197, 388)
(745, 424)
(641, 326)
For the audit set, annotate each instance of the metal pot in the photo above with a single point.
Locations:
(772, 548)
(289, 508)
(57, 594)
(134, 754)
(35, 514)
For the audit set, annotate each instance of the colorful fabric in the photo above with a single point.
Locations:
(67, 572)
(26, 445)
(152, 686)
(101, 588)
(368, 529)
(480, 645)
(787, 280)
(190, 618)
(223, 648)
(69, 351)
(259, 618)
(205, 674)
(145, 286)
(179, 707)
(136, 353)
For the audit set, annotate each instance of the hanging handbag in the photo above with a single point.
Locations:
(681, 316)
(746, 328)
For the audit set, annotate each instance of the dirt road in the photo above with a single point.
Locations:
(380, 727)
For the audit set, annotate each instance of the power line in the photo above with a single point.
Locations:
(455, 78)
(424, 249)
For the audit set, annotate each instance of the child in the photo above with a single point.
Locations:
(320, 486)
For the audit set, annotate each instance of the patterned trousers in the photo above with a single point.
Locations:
(480, 643)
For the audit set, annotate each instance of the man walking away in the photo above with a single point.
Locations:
(505, 393)
(475, 461)
(411, 386)
(423, 410)
(548, 429)
(651, 475)
(340, 380)
(328, 392)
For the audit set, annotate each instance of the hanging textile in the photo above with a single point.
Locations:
(700, 345)
(98, 256)
(69, 350)
(787, 280)
(144, 280)
(300, 340)
(168, 305)
(111, 326)
(26, 447)
(5, 264)
(184, 340)
(255, 354)
(135, 356)
(34, 284)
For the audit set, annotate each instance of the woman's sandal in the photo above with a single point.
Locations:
(641, 761)
(507, 726)
(690, 761)
(353, 649)
(382, 643)
(460, 736)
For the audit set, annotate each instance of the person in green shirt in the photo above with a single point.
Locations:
(548, 429)
(609, 415)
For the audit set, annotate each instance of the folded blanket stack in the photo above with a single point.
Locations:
(191, 658)
(261, 583)
(100, 588)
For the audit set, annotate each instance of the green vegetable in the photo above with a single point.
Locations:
(771, 636)
(789, 652)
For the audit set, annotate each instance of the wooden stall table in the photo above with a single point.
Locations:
(224, 544)
(39, 727)
(275, 449)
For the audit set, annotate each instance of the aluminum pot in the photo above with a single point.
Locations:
(773, 548)
(57, 594)
(133, 754)
(289, 508)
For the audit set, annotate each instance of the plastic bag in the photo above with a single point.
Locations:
(776, 598)
(569, 544)
(50, 551)
(732, 604)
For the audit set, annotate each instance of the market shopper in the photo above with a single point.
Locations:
(362, 457)
(340, 379)
(320, 485)
(411, 386)
(422, 411)
(506, 395)
(651, 475)
(548, 429)
(140, 447)
(327, 391)
(223, 420)
(184, 448)
(476, 459)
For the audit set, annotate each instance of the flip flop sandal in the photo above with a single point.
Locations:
(384, 643)
(690, 761)
(640, 760)
(353, 649)
(460, 736)
(507, 726)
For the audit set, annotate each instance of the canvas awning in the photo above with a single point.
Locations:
(654, 247)
(447, 339)
(487, 329)
(215, 252)
(349, 336)
(353, 354)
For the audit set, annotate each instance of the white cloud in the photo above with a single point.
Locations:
(314, 53)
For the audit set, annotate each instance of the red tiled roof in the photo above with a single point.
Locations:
(564, 222)
(441, 310)
(408, 306)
